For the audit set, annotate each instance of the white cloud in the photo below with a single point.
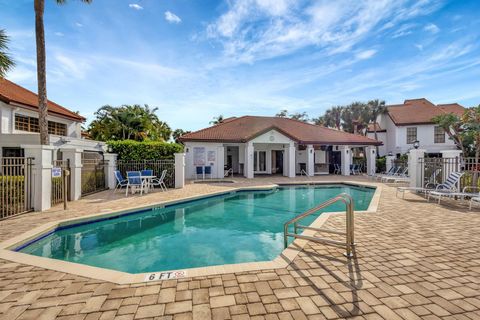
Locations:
(252, 30)
(172, 18)
(135, 6)
(431, 28)
(59, 34)
(419, 46)
(78, 24)
(366, 54)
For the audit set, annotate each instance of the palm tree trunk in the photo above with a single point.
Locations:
(376, 138)
(39, 6)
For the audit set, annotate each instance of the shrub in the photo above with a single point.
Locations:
(146, 150)
(381, 164)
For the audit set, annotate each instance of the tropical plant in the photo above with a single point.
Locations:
(39, 7)
(376, 108)
(332, 118)
(355, 117)
(128, 122)
(452, 124)
(217, 120)
(6, 63)
(145, 150)
(177, 133)
(300, 116)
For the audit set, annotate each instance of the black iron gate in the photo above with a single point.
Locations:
(16, 190)
(93, 175)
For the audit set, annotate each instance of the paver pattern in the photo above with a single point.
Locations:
(414, 260)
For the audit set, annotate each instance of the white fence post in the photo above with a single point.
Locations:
(346, 157)
(371, 155)
(179, 170)
(111, 167)
(414, 167)
(42, 175)
(389, 162)
(75, 157)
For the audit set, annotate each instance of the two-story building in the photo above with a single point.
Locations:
(403, 124)
(19, 124)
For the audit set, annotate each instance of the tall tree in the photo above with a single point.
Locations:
(39, 7)
(128, 122)
(300, 116)
(177, 133)
(282, 114)
(376, 108)
(217, 120)
(332, 117)
(355, 117)
(6, 63)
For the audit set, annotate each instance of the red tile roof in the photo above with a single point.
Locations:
(420, 111)
(246, 128)
(11, 92)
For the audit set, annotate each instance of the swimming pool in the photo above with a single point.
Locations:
(242, 226)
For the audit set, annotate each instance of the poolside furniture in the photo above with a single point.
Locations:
(449, 186)
(228, 172)
(386, 173)
(400, 175)
(160, 181)
(135, 182)
(474, 199)
(354, 169)
(460, 195)
(199, 171)
(337, 169)
(430, 186)
(121, 181)
(207, 170)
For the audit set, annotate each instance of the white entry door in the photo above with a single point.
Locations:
(260, 161)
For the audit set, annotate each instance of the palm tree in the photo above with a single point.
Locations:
(376, 108)
(333, 117)
(217, 120)
(6, 63)
(39, 7)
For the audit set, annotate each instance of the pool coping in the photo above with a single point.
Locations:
(119, 277)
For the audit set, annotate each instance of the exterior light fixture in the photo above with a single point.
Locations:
(390, 153)
(110, 150)
(416, 144)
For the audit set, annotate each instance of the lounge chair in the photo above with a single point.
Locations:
(448, 187)
(474, 199)
(400, 174)
(460, 195)
(391, 172)
(121, 181)
(228, 172)
(135, 182)
(430, 186)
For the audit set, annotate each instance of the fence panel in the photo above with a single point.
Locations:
(15, 186)
(436, 170)
(156, 165)
(93, 175)
(58, 184)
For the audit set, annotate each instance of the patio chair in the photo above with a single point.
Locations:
(228, 172)
(121, 181)
(147, 172)
(199, 171)
(337, 169)
(208, 170)
(135, 182)
(160, 181)
(356, 169)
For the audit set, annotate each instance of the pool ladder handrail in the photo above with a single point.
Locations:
(349, 232)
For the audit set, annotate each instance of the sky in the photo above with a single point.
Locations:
(197, 59)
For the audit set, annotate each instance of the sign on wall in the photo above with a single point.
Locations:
(56, 172)
(211, 156)
(199, 156)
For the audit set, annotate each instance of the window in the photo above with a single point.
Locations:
(30, 124)
(438, 135)
(411, 135)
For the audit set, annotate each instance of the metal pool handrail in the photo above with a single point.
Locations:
(349, 233)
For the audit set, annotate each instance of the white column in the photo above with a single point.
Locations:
(346, 156)
(414, 167)
(291, 160)
(285, 160)
(179, 170)
(42, 175)
(249, 160)
(389, 162)
(371, 155)
(75, 158)
(111, 181)
(220, 162)
(310, 160)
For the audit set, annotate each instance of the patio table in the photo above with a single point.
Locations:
(148, 182)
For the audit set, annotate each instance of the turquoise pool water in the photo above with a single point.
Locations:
(239, 227)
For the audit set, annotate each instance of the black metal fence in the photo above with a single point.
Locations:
(15, 186)
(93, 175)
(435, 171)
(156, 165)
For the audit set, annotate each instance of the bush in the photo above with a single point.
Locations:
(146, 150)
(381, 164)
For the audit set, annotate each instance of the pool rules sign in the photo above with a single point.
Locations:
(166, 275)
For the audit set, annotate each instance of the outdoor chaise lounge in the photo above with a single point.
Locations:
(449, 187)
(474, 199)
(430, 186)
(460, 195)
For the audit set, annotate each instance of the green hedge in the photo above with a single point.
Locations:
(146, 150)
(381, 164)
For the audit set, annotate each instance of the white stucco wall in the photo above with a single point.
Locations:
(209, 147)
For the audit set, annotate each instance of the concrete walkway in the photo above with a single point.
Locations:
(413, 260)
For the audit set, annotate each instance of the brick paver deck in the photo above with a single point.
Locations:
(413, 260)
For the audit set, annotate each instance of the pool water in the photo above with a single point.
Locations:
(244, 226)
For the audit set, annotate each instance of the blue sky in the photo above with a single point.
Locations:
(197, 59)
